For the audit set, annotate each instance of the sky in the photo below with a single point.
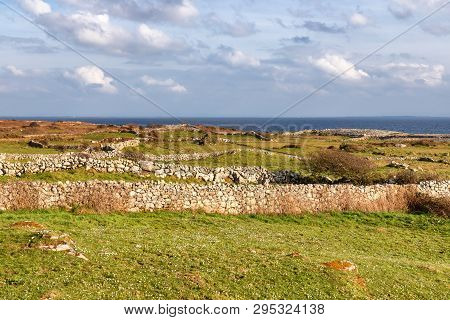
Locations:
(224, 58)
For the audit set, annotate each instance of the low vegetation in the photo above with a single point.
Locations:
(425, 158)
(197, 256)
(340, 164)
(419, 202)
(411, 177)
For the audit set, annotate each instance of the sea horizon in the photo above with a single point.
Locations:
(406, 124)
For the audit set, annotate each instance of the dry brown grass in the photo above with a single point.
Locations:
(100, 200)
(411, 177)
(351, 147)
(341, 164)
(28, 225)
(328, 200)
(423, 203)
(424, 143)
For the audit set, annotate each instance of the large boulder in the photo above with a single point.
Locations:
(147, 166)
(36, 144)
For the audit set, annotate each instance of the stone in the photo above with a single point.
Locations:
(36, 144)
(398, 165)
(147, 166)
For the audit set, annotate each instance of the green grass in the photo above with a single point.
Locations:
(179, 147)
(97, 136)
(179, 134)
(246, 158)
(197, 256)
(22, 148)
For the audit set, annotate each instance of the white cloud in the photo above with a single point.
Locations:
(36, 7)
(181, 12)
(170, 84)
(88, 29)
(97, 31)
(335, 65)
(15, 71)
(403, 9)
(358, 20)
(415, 73)
(236, 58)
(438, 26)
(176, 11)
(154, 38)
(178, 88)
(92, 76)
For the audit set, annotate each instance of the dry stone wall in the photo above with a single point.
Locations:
(189, 156)
(12, 165)
(54, 163)
(213, 198)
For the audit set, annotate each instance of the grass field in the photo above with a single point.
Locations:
(197, 256)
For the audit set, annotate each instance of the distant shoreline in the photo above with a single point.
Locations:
(404, 124)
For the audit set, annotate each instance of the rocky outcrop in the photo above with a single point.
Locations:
(119, 146)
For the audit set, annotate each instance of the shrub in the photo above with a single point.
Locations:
(424, 203)
(349, 147)
(341, 164)
(100, 201)
(411, 177)
(424, 143)
(34, 124)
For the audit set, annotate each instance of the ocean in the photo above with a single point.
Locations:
(428, 125)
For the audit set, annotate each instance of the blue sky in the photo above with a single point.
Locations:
(224, 58)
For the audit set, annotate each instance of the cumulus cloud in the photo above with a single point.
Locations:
(415, 73)
(170, 84)
(180, 11)
(238, 28)
(403, 9)
(438, 26)
(322, 27)
(235, 58)
(36, 7)
(176, 11)
(93, 77)
(154, 38)
(97, 31)
(15, 71)
(335, 65)
(358, 20)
